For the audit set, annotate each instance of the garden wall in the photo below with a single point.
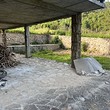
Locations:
(15, 38)
(33, 48)
(98, 46)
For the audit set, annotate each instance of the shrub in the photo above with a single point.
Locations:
(60, 32)
(84, 46)
(34, 43)
(56, 40)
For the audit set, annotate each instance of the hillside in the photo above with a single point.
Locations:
(94, 24)
(97, 20)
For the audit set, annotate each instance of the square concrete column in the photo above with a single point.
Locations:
(76, 38)
(27, 42)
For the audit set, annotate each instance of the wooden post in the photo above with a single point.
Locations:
(27, 42)
(76, 38)
(4, 39)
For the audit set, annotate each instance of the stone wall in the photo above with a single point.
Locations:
(33, 48)
(98, 46)
(15, 38)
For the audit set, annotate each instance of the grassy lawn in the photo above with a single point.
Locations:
(105, 61)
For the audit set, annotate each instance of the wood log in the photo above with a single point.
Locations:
(7, 58)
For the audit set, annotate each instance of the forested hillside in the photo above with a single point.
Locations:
(94, 24)
(97, 20)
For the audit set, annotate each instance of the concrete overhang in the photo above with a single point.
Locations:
(17, 13)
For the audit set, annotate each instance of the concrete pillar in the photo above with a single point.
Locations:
(27, 42)
(76, 38)
(4, 39)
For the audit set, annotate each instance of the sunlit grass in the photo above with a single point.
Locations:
(66, 58)
(52, 56)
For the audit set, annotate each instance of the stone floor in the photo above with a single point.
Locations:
(38, 84)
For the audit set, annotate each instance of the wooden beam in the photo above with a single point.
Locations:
(76, 38)
(27, 42)
(4, 39)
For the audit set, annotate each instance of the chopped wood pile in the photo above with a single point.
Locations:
(7, 58)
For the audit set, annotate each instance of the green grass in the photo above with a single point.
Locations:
(105, 61)
(52, 56)
(96, 35)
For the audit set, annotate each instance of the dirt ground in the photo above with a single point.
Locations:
(39, 84)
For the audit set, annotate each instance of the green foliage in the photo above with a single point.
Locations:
(84, 46)
(66, 58)
(97, 20)
(34, 43)
(56, 40)
(108, 4)
(18, 30)
(96, 35)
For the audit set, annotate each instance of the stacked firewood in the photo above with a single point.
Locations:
(7, 58)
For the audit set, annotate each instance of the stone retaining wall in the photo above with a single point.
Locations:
(34, 48)
(99, 46)
(15, 38)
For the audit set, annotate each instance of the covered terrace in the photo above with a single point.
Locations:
(19, 13)
(38, 84)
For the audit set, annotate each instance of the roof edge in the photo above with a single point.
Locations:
(102, 5)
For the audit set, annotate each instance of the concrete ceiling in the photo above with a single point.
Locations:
(17, 13)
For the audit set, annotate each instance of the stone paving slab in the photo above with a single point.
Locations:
(56, 87)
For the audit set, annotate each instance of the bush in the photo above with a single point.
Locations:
(34, 43)
(56, 40)
(84, 46)
(60, 32)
